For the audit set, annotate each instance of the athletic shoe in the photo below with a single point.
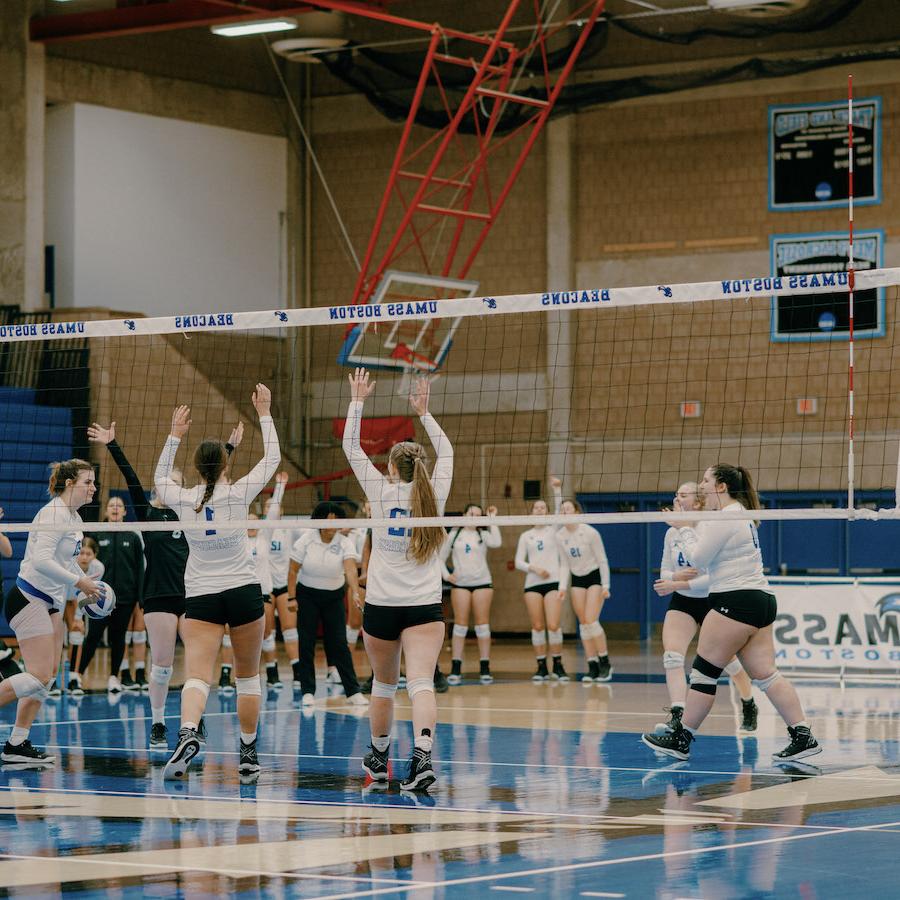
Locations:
(55, 692)
(332, 676)
(365, 685)
(802, 744)
(421, 774)
(225, 685)
(588, 677)
(159, 736)
(559, 671)
(455, 676)
(273, 679)
(128, 683)
(180, 761)
(604, 670)
(75, 688)
(357, 699)
(441, 685)
(749, 715)
(5, 652)
(541, 674)
(26, 754)
(484, 676)
(675, 714)
(377, 765)
(113, 685)
(295, 669)
(249, 764)
(676, 743)
(309, 700)
(140, 679)
(454, 680)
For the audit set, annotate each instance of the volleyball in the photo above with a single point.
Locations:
(103, 605)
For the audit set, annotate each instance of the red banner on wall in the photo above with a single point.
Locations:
(377, 436)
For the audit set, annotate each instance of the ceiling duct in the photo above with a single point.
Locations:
(316, 32)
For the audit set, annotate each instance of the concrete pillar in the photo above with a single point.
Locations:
(21, 157)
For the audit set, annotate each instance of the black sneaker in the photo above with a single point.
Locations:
(484, 676)
(249, 764)
(455, 676)
(273, 679)
(559, 670)
(749, 715)
(604, 670)
(365, 685)
(592, 672)
(25, 754)
(377, 765)
(676, 743)
(225, 685)
(128, 683)
(441, 685)
(159, 736)
(75, 688)
(140, 679)
(180, 761)
(296, 683)
(541, 674)
(421, 774)
(802, 744)
(675, 714)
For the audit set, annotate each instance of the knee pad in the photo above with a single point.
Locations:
(460, 631)
(352, 635)
(138, 637)
(765, 683)
(248, 686)
(197, 685)
(556, 637)
(538, 638)
(269, 643)
(733, 667)
(129, 637)
(160, 674)
(380, 689)
(33, 621)
(704, 676)
(418, 686)
(76, 638)
(26, 685)
(226, 640)
(290, 634)
(483, 631)
(673, 660)
(592, 630)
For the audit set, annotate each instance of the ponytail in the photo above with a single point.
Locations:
(61, 472)
(210, 459)
(425, 542)
(739, 484)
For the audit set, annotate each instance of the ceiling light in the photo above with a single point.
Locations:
(257, 26)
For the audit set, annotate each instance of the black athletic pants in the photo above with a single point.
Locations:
(313, 605)
(117, 622)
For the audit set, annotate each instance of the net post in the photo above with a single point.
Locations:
(851, 281)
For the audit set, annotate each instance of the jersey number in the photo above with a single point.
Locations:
(397, 513)
(575, 551)
(540, 545)
(210, 512)
(276, 546)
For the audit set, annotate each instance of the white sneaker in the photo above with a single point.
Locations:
(309, 700)
(358, 699)
(454, 680)
(333, 677)
(114, 686)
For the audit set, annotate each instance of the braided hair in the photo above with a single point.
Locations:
(210, 459)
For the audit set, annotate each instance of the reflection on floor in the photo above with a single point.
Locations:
(544, 789)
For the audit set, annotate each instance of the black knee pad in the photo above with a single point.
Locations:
(704, 676)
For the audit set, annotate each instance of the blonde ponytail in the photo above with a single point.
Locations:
(409, 460)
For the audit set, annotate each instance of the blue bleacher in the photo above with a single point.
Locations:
(31, 436)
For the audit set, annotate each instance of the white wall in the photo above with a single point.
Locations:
(167, 216)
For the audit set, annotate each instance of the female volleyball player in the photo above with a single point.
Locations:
(742, 610)
(687, 610)
(403, 609)
(221, 587)
(259, 551)
(538, 555)
(582, 548)
(165, 554)
(471, 591)
(34, 604)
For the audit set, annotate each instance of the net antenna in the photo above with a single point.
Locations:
(851, 275)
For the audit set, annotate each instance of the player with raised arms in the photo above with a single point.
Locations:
(221, 587)
(538, 556)
(34, 605)
(403, 611)
(740, 619)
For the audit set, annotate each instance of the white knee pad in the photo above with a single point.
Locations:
(248, 686)
(418, 685)
(290, 634)
(483, 631)
(380, 689)
(765, 683)
(556, 637)
(592, 630)
(33, 621)
(139, 637)
(352, 635)
(160, 674)
(226, 640)
(673, 660)
(538, 638)
(26, 685)
(733, 667)
(460, 631)
(269, 643)
(129, 637)
(197, 685)
(76, 638)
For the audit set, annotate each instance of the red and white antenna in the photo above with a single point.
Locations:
(851, 282)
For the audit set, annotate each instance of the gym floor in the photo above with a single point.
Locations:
(544, 789)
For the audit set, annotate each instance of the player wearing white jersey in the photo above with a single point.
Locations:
(740, 620)
(403, 609)
(74, 615)
(588, 570)
(34, 604)
(687, 610)
(472, 590)
(537, 554)
(259, 550)
(221, 583)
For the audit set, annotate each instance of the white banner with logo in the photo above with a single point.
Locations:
(840, 623)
